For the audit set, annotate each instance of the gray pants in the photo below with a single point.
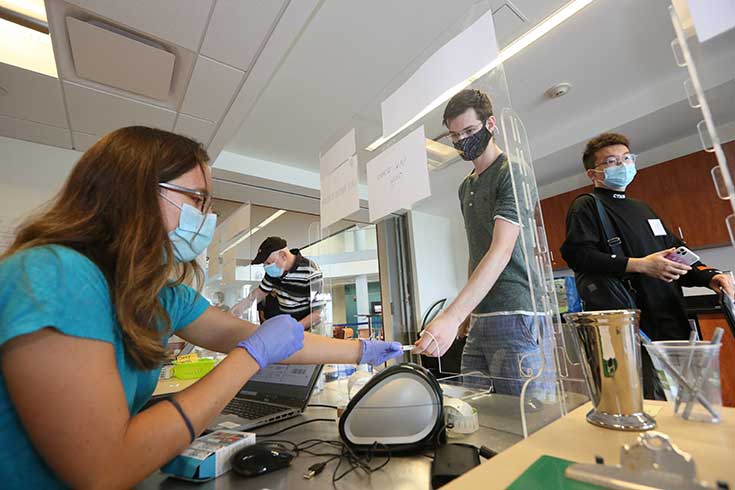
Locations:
(506, 348)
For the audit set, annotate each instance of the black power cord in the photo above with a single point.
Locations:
(336, 450)
(320, 405)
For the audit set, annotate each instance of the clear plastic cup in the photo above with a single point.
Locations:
(699, 365)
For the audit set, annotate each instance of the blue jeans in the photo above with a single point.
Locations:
(505, 347)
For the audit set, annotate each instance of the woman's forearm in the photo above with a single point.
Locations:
(141, 453)
(218, 331)
(324, 350)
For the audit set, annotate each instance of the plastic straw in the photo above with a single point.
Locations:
(679, 379)
(704, 373)
(687, 366)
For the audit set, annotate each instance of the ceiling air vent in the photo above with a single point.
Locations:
(113, 57)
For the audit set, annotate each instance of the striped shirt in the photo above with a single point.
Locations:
(299, 290)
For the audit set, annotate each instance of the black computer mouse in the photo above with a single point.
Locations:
(259, 459)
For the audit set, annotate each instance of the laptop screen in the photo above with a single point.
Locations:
(281, 383)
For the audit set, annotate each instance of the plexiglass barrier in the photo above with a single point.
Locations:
(230, 276)
(347, 299)
(708, 82)
(516, 389)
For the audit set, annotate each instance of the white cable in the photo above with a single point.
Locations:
(438, 347)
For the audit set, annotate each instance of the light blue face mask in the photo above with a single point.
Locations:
(194, 233)
(620, 176)
(273, 270)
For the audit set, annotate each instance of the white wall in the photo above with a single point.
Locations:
(440, 257)
(30, 175)
(338, 304)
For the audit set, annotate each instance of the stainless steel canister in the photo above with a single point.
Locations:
(607, 342)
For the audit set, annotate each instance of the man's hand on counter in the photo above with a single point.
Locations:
(723, 281)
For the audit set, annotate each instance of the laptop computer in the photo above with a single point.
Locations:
(275, 393)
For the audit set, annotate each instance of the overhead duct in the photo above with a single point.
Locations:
(113, 57)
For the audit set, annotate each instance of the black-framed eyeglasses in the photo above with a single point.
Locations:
(202, 199)
(614, 161)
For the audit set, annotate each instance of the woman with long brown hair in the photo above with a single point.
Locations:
(87, 305)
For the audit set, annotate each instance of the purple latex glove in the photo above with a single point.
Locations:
(376, 352)
(275, 340)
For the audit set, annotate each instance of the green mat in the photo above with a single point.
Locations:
(547, 473)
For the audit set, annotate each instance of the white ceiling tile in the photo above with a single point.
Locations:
(211, 88)
(194, 128)
(179, 21)
(95, 112)
(237, 30)
(82, 141)
(38, 133)
(31, 96)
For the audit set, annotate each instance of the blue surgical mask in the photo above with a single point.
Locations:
(194, 233)
(620, 176)
(273, 270)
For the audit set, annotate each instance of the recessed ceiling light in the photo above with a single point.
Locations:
(24, 39)
(33, 9)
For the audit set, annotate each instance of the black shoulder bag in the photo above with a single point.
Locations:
(604, 291)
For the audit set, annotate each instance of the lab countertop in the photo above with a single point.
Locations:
(570, 437)
(573, 438)
(402, 473)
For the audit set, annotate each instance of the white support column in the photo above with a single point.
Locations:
(361, 293)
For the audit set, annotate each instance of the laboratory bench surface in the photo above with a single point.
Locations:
(569, 437)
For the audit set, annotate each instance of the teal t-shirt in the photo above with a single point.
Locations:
(55, 286)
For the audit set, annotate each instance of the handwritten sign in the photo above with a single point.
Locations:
(398, 177)
(339, 194)
(338, 178)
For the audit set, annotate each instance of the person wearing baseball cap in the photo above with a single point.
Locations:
(294, 281)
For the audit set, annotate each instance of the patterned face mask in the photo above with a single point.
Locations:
(474, 145)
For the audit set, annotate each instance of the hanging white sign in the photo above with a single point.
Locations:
(461, 58)
(398, 177)
(339, 194)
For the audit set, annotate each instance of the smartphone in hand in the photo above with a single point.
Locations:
(684, 256)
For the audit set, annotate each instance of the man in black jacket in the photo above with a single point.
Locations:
(656, 281)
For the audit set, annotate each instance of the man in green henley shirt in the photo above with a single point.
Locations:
(503, 338)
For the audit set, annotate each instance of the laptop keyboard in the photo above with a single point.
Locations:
(250, 410)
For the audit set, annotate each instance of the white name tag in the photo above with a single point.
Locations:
(657, 228)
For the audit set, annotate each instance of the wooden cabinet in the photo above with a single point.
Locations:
(707, 324)
(555, 216)
(680, 191)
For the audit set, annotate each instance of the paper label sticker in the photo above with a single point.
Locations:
(657, 227)
(193, 357)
